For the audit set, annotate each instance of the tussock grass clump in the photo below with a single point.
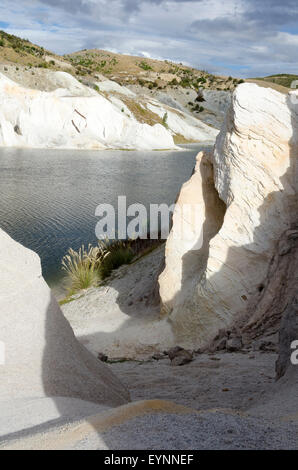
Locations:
(85, 268)
(81, 268)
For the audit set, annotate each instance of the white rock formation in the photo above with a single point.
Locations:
(255, 176)
(183, 124)
(73, 115)
(110, 86)
(62, 119)
(42, 356)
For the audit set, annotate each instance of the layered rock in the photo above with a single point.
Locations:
(210, 283)
(72, 115)
(42, 356)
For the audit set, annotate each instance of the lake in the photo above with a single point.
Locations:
(48, 197)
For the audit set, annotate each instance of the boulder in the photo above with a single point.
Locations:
(179, 356)
(42, 356)
(234, 344)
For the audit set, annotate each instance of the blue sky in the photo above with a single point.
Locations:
(242, 38)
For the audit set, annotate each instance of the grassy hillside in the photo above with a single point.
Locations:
(14, 50)
(280, 82)
(124, 69)
(151, 73)
(284, 79)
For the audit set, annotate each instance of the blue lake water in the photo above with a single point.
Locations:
(48, 197)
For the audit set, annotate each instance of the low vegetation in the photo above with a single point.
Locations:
(85, 268)
(144, 65)
(283, 79)
(81, 268)
(141, 112)
(15, 50)
(124, 69)
(89, 267)
(165, 121)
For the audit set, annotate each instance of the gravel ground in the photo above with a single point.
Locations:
(208, 431)
(225, 380)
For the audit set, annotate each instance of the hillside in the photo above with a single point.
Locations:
(126, 69)
(280, 82)
(163, 103)
(14, 50)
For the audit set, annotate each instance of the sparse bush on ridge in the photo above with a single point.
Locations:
(144, 65)
(165, 121)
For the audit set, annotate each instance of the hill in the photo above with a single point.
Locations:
(280, 82)
(14, 50)
(133, 70)
(123, 69)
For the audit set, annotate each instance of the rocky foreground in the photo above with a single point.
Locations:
(227, 303)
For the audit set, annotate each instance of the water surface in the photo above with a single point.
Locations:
(48, 197)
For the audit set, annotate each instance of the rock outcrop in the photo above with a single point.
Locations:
(288, 335)
(243, 198)
(73, 115)
(42, 356)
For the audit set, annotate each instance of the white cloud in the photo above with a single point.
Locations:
(237, 37)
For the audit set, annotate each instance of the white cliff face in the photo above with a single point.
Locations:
(210, 285)
(42, 356)
(183, 124)
(62, 119)
(73, 115)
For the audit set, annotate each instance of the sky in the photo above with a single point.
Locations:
(243, 38)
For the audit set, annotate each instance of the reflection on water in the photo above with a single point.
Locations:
(48, 197)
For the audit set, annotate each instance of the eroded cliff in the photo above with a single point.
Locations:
(251, 202)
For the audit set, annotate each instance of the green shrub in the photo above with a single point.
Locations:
(185, 83)
(174, 82)
(198, 109)
(165, 121)
(143, 65)
(2, 43)
(43, 65)
(115, 258)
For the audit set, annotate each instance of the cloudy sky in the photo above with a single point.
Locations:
(239, 37)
